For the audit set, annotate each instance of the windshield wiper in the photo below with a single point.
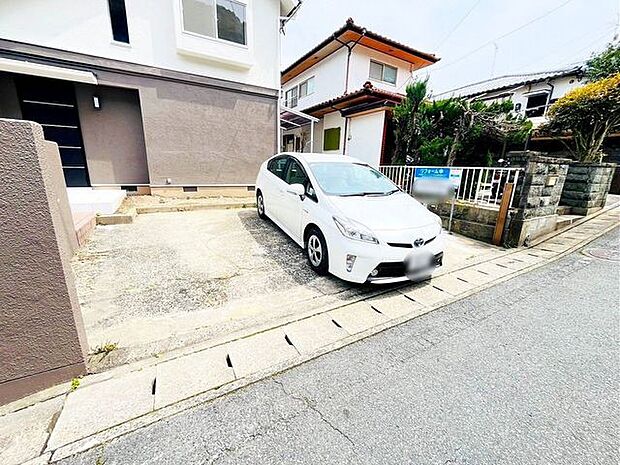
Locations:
(364, 194)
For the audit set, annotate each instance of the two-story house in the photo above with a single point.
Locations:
(162, 95)
(350, 83)
(530, 93)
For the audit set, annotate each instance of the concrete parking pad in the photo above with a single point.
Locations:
(256, 353)
(313, 333)
(396, 305)
(99, 406)
(357, 317)
(426, 294)
(171, 280)
(187, 376)
(23, 434)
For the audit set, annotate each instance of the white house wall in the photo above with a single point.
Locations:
(329, 80)
(520, 95)
(359, 70)
(155, 34)
(365, 136)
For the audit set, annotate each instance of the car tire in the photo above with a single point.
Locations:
(316, 251)
(260, 205)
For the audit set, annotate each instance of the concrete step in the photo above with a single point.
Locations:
(563, 210)
(566, 220)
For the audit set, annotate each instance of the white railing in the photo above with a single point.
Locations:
(478, 185)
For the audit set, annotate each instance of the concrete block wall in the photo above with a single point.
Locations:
(475, 221)
(587, 186)
(42, 339)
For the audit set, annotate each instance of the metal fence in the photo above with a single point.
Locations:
(478, 185)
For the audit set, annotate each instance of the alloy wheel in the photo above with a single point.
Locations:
(315, 251)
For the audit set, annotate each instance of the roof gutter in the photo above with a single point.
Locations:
(285, 19)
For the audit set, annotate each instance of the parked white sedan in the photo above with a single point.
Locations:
(351, 220)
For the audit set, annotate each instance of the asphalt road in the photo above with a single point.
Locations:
(525, 372)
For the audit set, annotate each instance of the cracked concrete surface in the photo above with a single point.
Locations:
(170, 280)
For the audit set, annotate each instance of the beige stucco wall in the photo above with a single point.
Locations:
(198, 135)
(113, 136)
(42, 341)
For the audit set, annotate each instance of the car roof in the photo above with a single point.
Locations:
(322, 157)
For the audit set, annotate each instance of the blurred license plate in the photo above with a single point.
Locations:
(418, 261)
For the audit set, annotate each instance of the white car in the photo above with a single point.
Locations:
(352, 221)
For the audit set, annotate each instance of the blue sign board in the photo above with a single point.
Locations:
(432, 173)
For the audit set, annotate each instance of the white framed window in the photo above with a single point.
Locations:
(217, 19)
(382, 72)
(306, 87)
(290, 98)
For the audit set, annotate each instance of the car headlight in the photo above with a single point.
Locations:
(354, 230)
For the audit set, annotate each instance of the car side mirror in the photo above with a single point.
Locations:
(297, 189)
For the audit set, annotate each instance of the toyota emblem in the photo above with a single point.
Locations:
(419, 242)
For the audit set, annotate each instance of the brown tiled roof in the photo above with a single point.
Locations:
(368, 93)
(351, 32)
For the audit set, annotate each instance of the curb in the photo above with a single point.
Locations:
(194, 207)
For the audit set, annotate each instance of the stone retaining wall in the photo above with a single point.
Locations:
(587, 186)
(538, 199)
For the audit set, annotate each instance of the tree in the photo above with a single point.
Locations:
(589, 114)
(605, 64)
(442, 132)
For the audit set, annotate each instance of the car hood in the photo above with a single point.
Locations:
(385, 213)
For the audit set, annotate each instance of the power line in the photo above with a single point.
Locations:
(523, 26)
(443, 41)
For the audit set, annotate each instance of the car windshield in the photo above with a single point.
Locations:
(351, 179)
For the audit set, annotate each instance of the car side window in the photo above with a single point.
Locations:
(295, 174)
(277, 166)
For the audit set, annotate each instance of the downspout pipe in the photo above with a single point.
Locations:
(349, 51)
(549, 97)
(346, 81)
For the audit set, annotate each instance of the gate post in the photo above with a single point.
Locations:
(538, 200)
(42, 340)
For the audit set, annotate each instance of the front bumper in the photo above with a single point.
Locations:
(388, 260)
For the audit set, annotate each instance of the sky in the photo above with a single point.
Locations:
(473, 38)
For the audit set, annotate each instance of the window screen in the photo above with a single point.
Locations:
(376, 71)
(381, 72)
(331, 139)
(118, 19)
(199, 17)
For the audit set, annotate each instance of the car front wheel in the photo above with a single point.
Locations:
(316, 250)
